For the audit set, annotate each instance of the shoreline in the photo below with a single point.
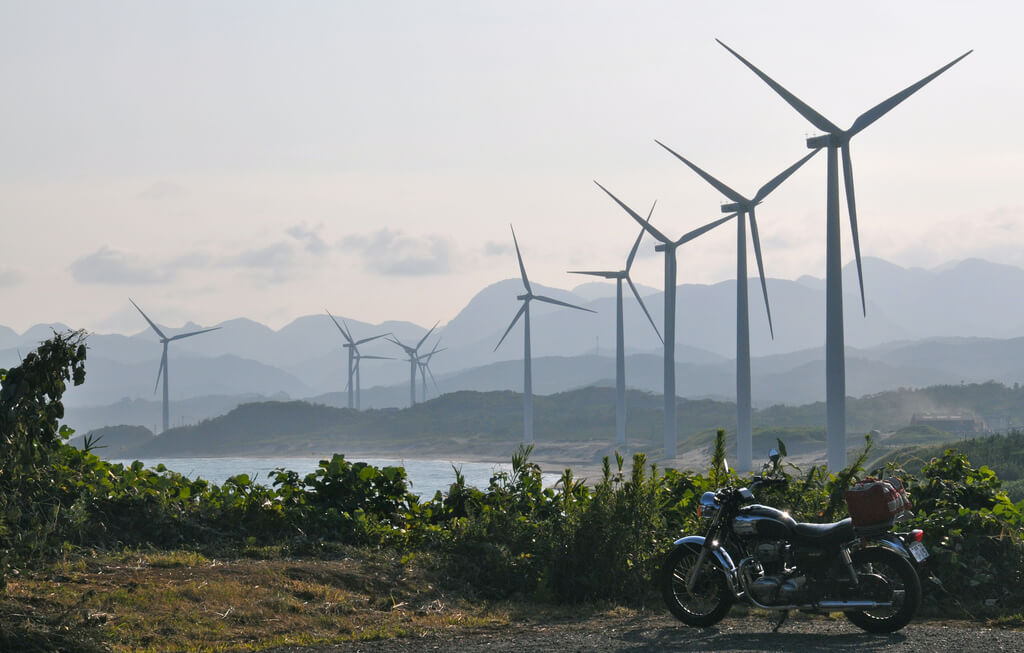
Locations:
(551, 463)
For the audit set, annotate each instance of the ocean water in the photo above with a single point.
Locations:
(426, 476)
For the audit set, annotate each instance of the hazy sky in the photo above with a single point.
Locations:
(270, 159)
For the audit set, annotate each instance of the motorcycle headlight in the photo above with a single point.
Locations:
(708, 506)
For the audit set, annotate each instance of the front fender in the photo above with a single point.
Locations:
(722, 557)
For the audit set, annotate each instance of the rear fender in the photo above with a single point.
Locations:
(892, 544)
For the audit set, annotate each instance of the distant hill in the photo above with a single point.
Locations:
(114, 441)
(490, 423)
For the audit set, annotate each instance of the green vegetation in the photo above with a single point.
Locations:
(1004, 453)
(564, 545)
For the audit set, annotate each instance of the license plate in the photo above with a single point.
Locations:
(918, 551)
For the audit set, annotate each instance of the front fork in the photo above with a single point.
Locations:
(691, 582)
(705, 549)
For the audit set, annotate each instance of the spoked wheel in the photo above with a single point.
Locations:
(710, 599)
(885, 577)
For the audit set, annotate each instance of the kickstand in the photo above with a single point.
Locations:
(782, 620)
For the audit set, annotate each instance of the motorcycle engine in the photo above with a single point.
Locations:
(770, 551)
(778, 588)
(777, 583)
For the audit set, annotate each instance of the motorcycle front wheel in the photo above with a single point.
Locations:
(710, 599)
(885, 576)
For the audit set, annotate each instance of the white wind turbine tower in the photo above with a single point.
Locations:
(163, 360)
(524, 312)
(620, 340)
(745, 207)
(413, 354)
(669, 246)
(424, 364)
(838, 140)
(353, 360)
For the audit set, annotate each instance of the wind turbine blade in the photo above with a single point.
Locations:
(522, 268)
(409, 350)
(643, 223)
(706, 228)
(151, 323)
(561, 303)
(597, 273)
(851, 205)
(876, 112)
(815, 118)
(343, 332)
(522, 309)
(159, 372)
(359, 342)
(348, 331)
(760, 269)
(781, 177)
(650, 319)
(361, 356)
(722, 188)
(436, 387)
(427, 335)
(636, 245)
(193, 333)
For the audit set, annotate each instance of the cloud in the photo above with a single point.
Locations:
(276, 263)
(309, 238)
(9, 278)
(111, 267)
(275, 256)
(494, 248)
(107, 266)
(162, 190)
(392, 253)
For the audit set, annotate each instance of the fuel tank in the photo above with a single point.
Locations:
(763, 521)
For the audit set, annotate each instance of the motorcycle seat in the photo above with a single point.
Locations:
(824, 534)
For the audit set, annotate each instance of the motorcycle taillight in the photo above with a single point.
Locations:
(916, 535)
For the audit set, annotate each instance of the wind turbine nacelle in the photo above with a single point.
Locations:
(524, 297)
(815, 142)
(734, 207)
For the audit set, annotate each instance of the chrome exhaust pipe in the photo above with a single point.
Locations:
(849, 606)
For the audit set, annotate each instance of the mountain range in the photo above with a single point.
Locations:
(962, 321)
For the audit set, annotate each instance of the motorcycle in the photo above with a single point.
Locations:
(871, 575)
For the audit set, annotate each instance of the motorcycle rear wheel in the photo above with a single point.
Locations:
(886, 576)
(711, 598)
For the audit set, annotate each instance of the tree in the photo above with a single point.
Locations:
(30, 434)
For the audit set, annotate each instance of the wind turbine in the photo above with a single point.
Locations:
(745, 208)
(163, 359)
(620, 344)
(424, 364)
(838, 141)
(353, 359)
(413, 353)
(359, 384)
(669, 246)
(524, 312)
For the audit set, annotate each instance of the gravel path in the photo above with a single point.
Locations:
(651, 632)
